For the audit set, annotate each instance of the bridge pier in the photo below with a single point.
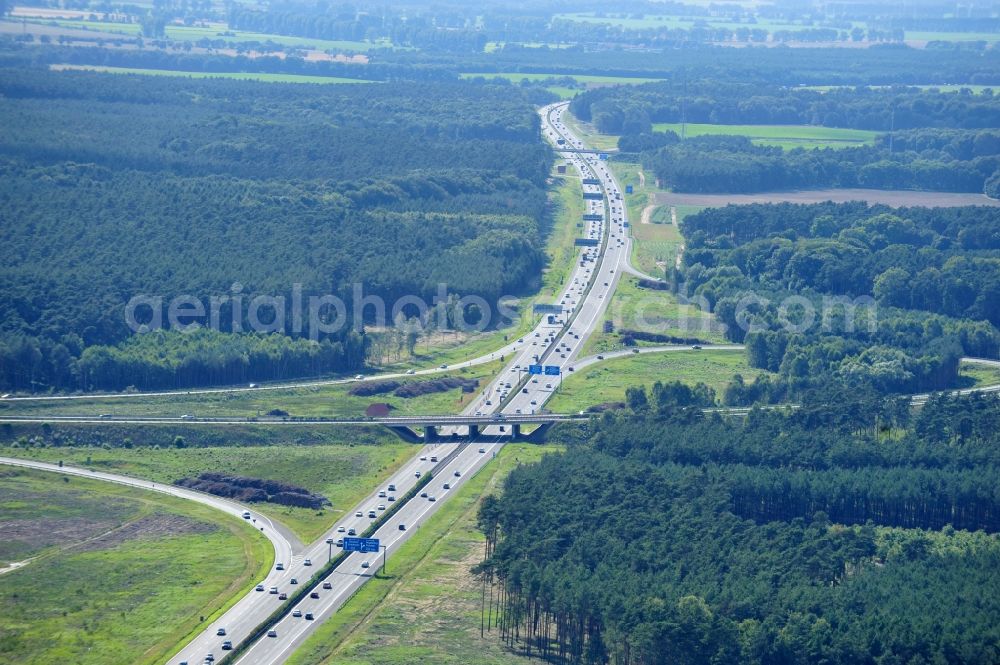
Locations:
(515, 432)
(430, 433)
(473, 431)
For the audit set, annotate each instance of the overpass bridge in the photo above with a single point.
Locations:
(406, 427)
(507, 426)
(584, 151)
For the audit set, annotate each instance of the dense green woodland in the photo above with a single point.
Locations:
(615, 110)
(846, 532)
(939, 141)
(188, 187)
(733, 164)
(931, 277)
(768, 66)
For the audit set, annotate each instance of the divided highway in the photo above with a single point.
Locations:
(583, 298)
(513, 393)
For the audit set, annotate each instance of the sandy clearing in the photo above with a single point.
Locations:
(894, 198)
(647, 214)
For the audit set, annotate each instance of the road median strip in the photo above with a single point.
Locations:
(305, 589)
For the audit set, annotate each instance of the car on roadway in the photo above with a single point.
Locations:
(411, 371)
(402, 527)
(416, 474)
(392, 487)
(309, 616)
(365, 564)
(381, 506)
(372, 514)
(279, 566)
(307, 562)
(294, 581)
(434, 458)
(246, 514)
(227, 645)
(446, 486)
(432, 498)
(272, 633)
(341, 529)
(358, 377)
(220, 632)
(482, 450)
(282, 596)
(352, 532)
(423, 495)
(274, 590)
(327, 586)
(314, 594)
(259, 587)
(442, 366)
(297, 614)
(391, 498)
(458, 473)
(381, 494)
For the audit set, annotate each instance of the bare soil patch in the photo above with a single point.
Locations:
(39, 534)
(894, 198)
(149, 527)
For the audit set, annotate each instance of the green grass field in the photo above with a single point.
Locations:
(607, 381)
(427, 609)
(673, 22)
(183, 33)
(344, 474)
(130, 576)
(785, 136)
(242, 76)
(972, 375)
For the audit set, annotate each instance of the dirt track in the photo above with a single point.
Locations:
(894, 198)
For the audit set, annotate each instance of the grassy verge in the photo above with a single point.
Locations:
(344, 474)
(785, 136)
(561, 250)
(427, 608)
(331, 401)
(589, 134)
(242, 76)
(607, 381)
(972, 375)
(651, 311)
(125, 594)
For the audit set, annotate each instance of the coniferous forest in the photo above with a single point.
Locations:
(853, 533)
(189, 187)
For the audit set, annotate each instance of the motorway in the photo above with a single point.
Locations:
(584, 299)
(513, 393)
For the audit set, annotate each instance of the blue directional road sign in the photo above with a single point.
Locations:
(534, 369)
(603, 156)
(552, 370)
(628, 189)
(361, 545)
